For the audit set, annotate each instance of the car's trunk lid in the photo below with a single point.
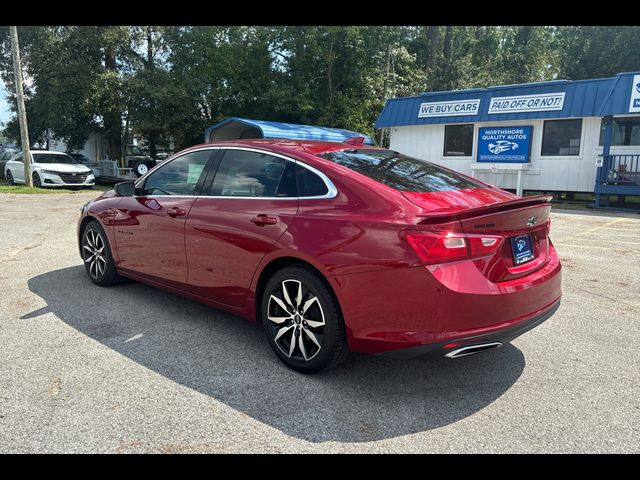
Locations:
(494, 212)
(453, 201)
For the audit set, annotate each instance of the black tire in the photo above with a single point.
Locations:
(141, 168)
(10, 180)
(331, 336)
(101, 271)
(36, 180)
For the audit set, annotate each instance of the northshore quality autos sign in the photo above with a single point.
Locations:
(504, 144)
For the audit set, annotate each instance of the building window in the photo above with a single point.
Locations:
(561, 137)
(458, 140)
(624, 132)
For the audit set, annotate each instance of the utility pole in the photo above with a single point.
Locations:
(22, 115)
(385, 88)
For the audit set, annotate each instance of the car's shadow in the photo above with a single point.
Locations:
(227, 358)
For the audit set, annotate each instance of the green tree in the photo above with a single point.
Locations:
(588, 52)
(74, 82)
(172, 82)
(528, 54)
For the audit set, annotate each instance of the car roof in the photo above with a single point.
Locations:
(313, 147)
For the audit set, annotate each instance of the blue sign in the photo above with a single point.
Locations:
(504, 144)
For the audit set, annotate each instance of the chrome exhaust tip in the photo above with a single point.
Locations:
(473, 349)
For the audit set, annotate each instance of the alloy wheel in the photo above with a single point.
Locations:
(94, 253)
(296, 320)
(36, 180)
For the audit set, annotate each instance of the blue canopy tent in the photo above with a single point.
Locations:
(242, 128)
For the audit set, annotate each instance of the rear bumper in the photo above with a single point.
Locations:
(416, 307)
(506, 335)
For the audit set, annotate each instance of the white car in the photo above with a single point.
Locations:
(50, 169)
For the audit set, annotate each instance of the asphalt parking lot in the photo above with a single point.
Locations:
(133, 369)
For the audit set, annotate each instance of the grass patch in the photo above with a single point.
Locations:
(40, 191)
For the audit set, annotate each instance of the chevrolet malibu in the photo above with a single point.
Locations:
(332, 248)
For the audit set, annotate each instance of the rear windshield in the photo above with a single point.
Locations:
(403, 173)
(51, 158)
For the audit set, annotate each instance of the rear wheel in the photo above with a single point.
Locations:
(96, 253)
(302, 320)
(10, 180)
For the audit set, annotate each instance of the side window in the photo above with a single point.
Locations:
(251, 174)
(179, 176)
(310, 184)
(288, 187)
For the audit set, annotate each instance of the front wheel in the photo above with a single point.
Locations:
(96, 253)
(140, 169)
(36, 180)
(302, 320)
(9, 177)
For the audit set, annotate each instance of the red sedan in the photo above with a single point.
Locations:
(332, 248)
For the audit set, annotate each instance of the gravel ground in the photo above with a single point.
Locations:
(133, 369)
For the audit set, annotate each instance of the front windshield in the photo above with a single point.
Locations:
(134, 150)
(52, 158)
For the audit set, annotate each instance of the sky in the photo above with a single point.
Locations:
(4, 107)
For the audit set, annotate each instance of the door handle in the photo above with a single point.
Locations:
(263, 219)
(176, 212)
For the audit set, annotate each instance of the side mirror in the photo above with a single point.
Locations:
(125, 189)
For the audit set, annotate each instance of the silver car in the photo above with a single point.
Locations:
(5, 155)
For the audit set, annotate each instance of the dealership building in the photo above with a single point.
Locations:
(561, 136)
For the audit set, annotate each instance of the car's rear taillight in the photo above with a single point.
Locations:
(480, 245)
(440, 247)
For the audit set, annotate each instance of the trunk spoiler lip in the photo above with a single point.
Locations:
(531, 201)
